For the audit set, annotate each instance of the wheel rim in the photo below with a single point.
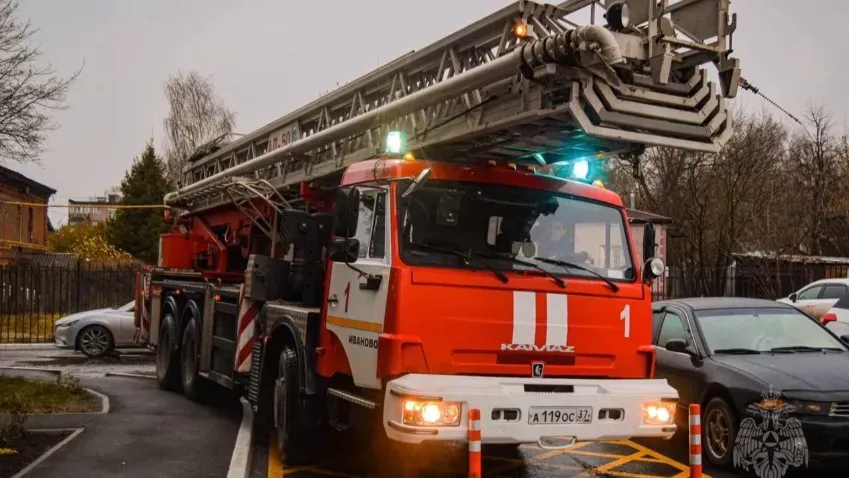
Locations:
(95, 340)
(718, 433)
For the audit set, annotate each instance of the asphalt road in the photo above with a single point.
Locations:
(350, 458)
(147, 432)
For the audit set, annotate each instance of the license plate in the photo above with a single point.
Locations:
(559, 415)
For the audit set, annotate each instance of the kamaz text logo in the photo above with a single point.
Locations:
(538, 348)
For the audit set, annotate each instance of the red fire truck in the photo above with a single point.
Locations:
(431, 237)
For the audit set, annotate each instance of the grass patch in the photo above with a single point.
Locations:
(64, 395)
(26, 328)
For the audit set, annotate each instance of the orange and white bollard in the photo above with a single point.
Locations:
(475, 443)
(695, 441)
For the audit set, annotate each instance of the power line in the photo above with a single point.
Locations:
(98, 206)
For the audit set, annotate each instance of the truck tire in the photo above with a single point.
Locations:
(192, 383)
(167, 362)
(293, 438)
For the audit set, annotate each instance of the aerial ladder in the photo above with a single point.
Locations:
(254, 283)
(523, 83)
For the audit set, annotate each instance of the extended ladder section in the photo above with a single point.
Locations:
(528, 83)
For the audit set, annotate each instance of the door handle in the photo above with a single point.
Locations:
(333, 300)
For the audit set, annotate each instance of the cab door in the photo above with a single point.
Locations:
(356, 303)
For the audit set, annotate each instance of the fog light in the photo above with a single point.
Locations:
(440, 414)
(658, 413)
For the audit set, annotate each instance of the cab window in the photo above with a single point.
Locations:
(371, 225)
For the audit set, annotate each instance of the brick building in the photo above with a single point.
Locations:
(23, 220)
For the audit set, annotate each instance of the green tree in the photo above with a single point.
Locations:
(137, 230)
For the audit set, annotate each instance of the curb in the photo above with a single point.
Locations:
(45, 455)
(36, 346)
(128, 375)
(104, 400)
(240, 462)
(54, 371)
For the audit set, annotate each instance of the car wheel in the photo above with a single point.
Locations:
(719, 430)
(95, 341)
(167, 363)
(189, 361)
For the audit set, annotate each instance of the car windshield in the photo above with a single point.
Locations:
(759, 330)
(512, 228)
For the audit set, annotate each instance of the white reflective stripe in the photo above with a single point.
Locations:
(524, 317)
(557, 319)
(475, 446)
(695, 439)
(695, 459)
(475, 425)
(695, 420)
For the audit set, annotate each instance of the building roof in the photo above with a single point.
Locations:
(793, 258)
(713, 303)
(9, 176)
(641, 217)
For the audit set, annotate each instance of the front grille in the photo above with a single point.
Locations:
(256, 370)
(839, 409)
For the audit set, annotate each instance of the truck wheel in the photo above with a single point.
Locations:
(289, 411)
(167, 366)
(189, 361)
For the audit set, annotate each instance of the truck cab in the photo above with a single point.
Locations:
(493, 287)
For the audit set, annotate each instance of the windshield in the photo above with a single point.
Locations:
(762, 330)
(506, 223)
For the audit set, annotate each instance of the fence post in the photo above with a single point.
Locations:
(695, 441)
(475, 443)
(77, 284)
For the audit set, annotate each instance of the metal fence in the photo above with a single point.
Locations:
(34, 295)
(741, 279)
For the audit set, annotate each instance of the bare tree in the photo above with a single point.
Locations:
(28, 90)
(196, 117)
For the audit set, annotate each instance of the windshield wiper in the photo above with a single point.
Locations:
(803, 348)
(466, 257)
(737, 351)
(514, 260)
(567, 265)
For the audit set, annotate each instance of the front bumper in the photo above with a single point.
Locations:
(62, 337)
(827, 438)
(489, 393)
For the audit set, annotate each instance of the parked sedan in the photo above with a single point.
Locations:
(817, 297)
(726, 353)
(96, 332)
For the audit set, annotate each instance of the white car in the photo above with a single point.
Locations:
(96, 332)
(818, 297)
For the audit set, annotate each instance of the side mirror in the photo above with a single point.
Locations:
(347, 212)
(680, 346)
(793, 297)
(845, 339)
(344, 250)
(648, 241)
(420, 179)
(653, 268)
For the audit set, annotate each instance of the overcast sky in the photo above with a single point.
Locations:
(268, 57)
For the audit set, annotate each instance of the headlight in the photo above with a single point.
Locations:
(810, 408)
(659, 413)
(68, 324)
(438, 414)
